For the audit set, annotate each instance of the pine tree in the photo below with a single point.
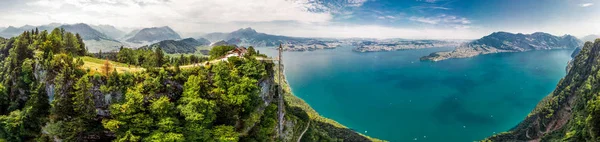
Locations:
(130, 120)
(199, 113)
(85, 112)
(56, 42)
(36, 111)
(81, 49)
(106, 68)
(159, 57)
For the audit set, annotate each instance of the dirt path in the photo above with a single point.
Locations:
(305, 129)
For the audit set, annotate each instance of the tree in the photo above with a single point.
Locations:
(106, 68)
(219, 51)
(25, 125)
(72, 44)
(159, 55)
(36, 111)
(225, 134)
(56, 43)
(166, 123)
(198, 112)
(12, 126)
(129, 120)
(4, 100)
(81, 49)
(251, 51)
(85, 112)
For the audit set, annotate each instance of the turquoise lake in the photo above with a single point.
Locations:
(394, 96)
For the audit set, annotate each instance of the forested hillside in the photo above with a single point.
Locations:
(572, 111)
(187, 45)
(50, 92)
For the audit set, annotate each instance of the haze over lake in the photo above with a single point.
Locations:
(394, 96)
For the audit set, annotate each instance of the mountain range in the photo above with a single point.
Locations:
(108, 38)
(86, 32)
(508, 42)
(249, 37)
(11, 31)
(104, 37)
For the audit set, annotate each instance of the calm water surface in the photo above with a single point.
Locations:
(394, 96)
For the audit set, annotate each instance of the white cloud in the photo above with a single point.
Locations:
(586, 4)
(428, 1)
(442, 20)
(282, 17)
(356, 3)
(376, 31)
(165, 12)
(386, 17)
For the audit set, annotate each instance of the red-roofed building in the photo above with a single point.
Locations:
(239, 52)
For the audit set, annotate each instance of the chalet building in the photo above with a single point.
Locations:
(238, 52)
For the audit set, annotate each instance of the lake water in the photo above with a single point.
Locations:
(394, 96)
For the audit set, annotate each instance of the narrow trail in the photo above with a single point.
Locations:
(305, 129)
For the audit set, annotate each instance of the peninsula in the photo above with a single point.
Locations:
(507, 42)
(393, 45)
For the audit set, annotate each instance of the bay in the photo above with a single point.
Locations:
(394, 96)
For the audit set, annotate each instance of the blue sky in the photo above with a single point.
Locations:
(418, 19)
(507, 15)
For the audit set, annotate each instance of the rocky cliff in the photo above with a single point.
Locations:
(572, 111)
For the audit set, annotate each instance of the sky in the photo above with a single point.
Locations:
(412, 19)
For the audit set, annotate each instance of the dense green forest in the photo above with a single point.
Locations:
(572, 111)
(47, 94)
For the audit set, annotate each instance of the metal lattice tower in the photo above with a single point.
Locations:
(280, 94)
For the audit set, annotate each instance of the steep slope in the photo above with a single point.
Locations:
(299, 115)
(154, 34)
(187, 45)
(508, 42)
(129, 35)
(572, 111)
(109, 31)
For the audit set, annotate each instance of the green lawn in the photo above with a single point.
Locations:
(95, 64)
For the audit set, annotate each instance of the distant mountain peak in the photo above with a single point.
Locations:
(154, 34)
(250, 37)
(591, 37)
(109, 30)
(86, 32)
(244, 32)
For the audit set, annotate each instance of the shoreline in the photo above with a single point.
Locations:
(295, 101)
